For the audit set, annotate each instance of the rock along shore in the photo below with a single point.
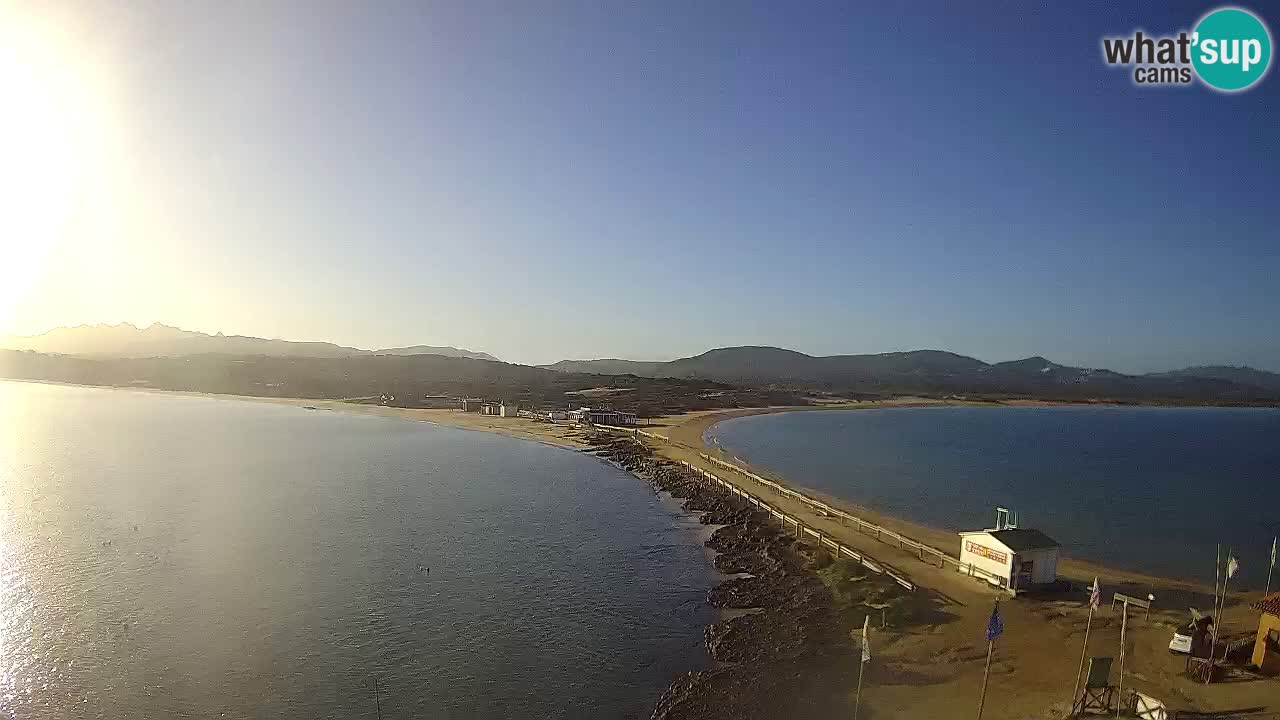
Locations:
(791, 656)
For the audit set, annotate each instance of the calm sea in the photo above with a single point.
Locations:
(1148, 489)
(166, 556)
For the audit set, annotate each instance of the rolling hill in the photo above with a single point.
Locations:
(405, 380)
(158, 340)
(1242, 375)
(937, 372)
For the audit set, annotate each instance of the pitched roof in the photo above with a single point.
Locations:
(1019, 539)
(1269, 604)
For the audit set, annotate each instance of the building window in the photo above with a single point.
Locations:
(1026, 566)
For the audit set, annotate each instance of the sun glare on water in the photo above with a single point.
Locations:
(46, 154)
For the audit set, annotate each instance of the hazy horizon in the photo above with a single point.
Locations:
(988, 360)
(825, 179)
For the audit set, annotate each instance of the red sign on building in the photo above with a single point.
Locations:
(986, 552)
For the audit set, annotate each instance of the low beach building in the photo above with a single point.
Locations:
(509, 410)
(590, 416)
(1014, 558)
(474, 405)
(1266, 649)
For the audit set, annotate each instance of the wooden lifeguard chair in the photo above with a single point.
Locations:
(1099, 694)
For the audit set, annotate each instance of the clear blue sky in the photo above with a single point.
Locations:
(649, 180)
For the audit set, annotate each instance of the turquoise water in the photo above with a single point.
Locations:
(167, 556)
(1150, 489)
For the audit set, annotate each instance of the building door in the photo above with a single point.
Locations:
(1025, 572)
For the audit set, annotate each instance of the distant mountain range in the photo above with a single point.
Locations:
(164, 356)
(1241, 375)
(935, 371)
(126, 341)
(414, 380)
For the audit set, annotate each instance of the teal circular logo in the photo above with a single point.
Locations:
(1232, 49)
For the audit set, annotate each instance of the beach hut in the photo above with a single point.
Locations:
(1015, 558)
(1266, 649)
(509, 410)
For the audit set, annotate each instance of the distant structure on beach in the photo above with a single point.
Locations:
(474, 405)
(589, 416)
(1020, 558)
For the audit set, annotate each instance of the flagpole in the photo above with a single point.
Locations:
(1217, 620)
(982, 700)
(995, 626)
(857, 699)
(1124, 621)
(1083, 652)
(1095, 599)
(1226, 579)
(1272, 566)
(1217, 616)
(863, 657)
(1217, 568)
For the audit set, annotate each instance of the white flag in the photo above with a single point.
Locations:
(1233, 566)
(1273, 551)
(866, 640)
(1095, 596)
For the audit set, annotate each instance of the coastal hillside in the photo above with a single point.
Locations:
(609, 367)
(1243, 375)
(158, 340)
(405, 380)
(938, 372)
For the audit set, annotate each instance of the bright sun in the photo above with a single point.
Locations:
(41, 158)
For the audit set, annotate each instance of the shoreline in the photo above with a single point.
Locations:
(685, 429)
(771, 648)
(929, 668)
(931, 671)
(689, 430)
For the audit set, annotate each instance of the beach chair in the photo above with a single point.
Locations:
(1099, 694)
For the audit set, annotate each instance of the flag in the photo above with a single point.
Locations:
(1095, 595)
(1233, 566)
(995, 626)
(1273, 551)
(866, 640)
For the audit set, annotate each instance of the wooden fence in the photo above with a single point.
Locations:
(803, 531)
(924, 552)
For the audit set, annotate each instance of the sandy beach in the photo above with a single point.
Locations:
(930, 671)
(935, 670)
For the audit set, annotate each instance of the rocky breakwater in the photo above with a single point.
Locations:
(791, 656)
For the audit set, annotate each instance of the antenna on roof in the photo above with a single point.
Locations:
(1006, 519)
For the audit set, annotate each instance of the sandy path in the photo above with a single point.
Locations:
(936, 670)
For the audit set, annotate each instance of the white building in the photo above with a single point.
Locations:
(509, 410)
(1020, 559)
(591, 416)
